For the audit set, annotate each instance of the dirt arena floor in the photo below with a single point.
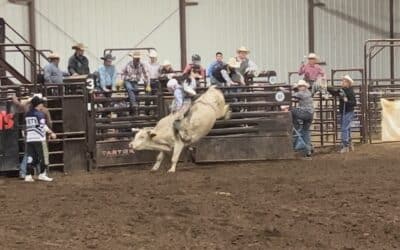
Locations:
(331, 202)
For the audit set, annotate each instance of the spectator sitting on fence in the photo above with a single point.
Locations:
(224, 75)
(52, 74)
(194, 72)
(311, 71)
(107, 75)
(302, 117)
(24, 106)
(219, 60)
(78, 64)
(36, 130)
(247, 67)
(347, 102)
(132, 74)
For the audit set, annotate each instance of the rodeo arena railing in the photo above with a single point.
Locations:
(94, 129)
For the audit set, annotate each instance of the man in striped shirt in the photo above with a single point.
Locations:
(36, 130)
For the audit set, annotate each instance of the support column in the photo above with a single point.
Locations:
(182, 28)
(391, 35)
(311, 27)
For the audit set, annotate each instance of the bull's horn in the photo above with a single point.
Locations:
(135, 129)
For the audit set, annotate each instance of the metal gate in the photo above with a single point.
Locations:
(67, 104)
(376, 89)
(9, 151)
(257, 130)
(111, 123)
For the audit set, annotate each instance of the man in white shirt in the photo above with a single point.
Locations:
(153, 69)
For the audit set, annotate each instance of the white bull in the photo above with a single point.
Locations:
(175, 131)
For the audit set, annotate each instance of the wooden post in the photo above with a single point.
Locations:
(182, 28)
(311, 26)
(2, 50)
(391, 31)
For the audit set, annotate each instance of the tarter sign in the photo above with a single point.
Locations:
(117, 152)
(114, 153)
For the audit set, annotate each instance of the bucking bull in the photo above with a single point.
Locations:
(176, 131)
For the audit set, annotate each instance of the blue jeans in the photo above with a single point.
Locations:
(347, 118)
(132, 89)
(23, 166)
(302, 121)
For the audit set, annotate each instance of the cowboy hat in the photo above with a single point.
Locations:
(312, 56)
(108, 57)
(79, 46)
(302, 83)
(135, 54)
(233, 63)
(348, 78)
(166, 63)
(243, 49)
(153, 54)
(53, 56)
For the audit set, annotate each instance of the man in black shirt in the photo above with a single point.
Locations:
(347, 102)
(78, 64)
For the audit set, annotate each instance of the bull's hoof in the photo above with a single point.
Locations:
(153, 170)
(171, 171)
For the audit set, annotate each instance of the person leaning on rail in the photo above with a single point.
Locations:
(302, 117)
(347, 102)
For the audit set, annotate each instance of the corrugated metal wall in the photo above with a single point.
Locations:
(274, 30)
(104, 24)
(342, 27)
(16, 16)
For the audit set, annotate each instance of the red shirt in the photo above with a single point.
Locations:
(311, 72)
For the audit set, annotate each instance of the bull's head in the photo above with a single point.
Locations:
(146, 139)
(142, 139)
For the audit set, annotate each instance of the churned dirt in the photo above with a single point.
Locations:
(331, 202)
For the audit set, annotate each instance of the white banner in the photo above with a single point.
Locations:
(390, 120)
